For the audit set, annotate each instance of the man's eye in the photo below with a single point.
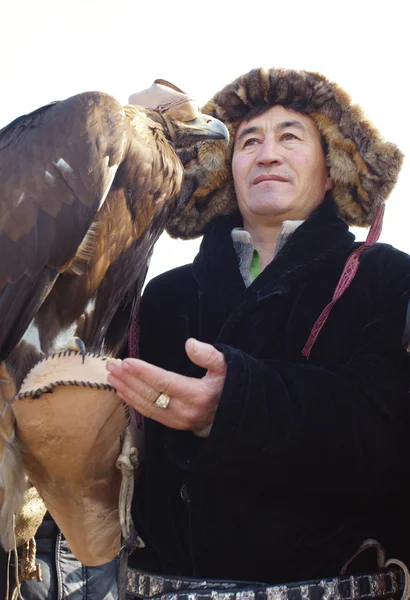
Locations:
(250, 142)
(289, 136)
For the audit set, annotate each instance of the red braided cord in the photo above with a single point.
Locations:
(346, 278)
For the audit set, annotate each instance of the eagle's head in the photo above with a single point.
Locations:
(188, 135)
(200, 142)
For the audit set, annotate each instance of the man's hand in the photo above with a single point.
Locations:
(193, 401)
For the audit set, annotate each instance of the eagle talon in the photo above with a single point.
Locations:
(77, 345)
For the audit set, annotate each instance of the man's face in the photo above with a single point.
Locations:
(278, 167)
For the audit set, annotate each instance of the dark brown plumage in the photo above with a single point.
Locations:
(86, 188)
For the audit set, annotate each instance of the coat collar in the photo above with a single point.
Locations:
(321, 237)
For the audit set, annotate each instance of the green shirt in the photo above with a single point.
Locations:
(255, 267)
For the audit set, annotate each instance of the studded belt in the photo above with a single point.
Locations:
(373, 586)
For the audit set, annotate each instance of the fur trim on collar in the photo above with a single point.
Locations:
(363, 167)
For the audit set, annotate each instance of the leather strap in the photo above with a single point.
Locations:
(164, 97)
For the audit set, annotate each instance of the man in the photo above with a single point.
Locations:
(274, 378)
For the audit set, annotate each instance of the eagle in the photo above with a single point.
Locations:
(86, 188)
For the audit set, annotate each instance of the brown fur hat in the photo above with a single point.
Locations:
(362, 166)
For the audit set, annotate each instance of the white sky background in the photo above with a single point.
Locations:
(53, 49)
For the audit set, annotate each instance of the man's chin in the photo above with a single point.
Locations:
(272, 206)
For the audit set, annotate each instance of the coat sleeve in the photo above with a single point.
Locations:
(302, 420)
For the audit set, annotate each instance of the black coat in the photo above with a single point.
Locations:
(305, 459)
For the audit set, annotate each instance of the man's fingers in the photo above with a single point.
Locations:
(124, 382)
(158, 379)
(206, 356)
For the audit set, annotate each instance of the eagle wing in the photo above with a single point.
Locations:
(103, 294)
(57, 165)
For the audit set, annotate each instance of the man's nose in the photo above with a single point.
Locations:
(269, 153)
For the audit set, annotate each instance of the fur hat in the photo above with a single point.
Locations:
(362, 166)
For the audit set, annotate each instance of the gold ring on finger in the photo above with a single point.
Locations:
(162, 401)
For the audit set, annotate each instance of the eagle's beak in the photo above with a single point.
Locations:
(208, 127)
